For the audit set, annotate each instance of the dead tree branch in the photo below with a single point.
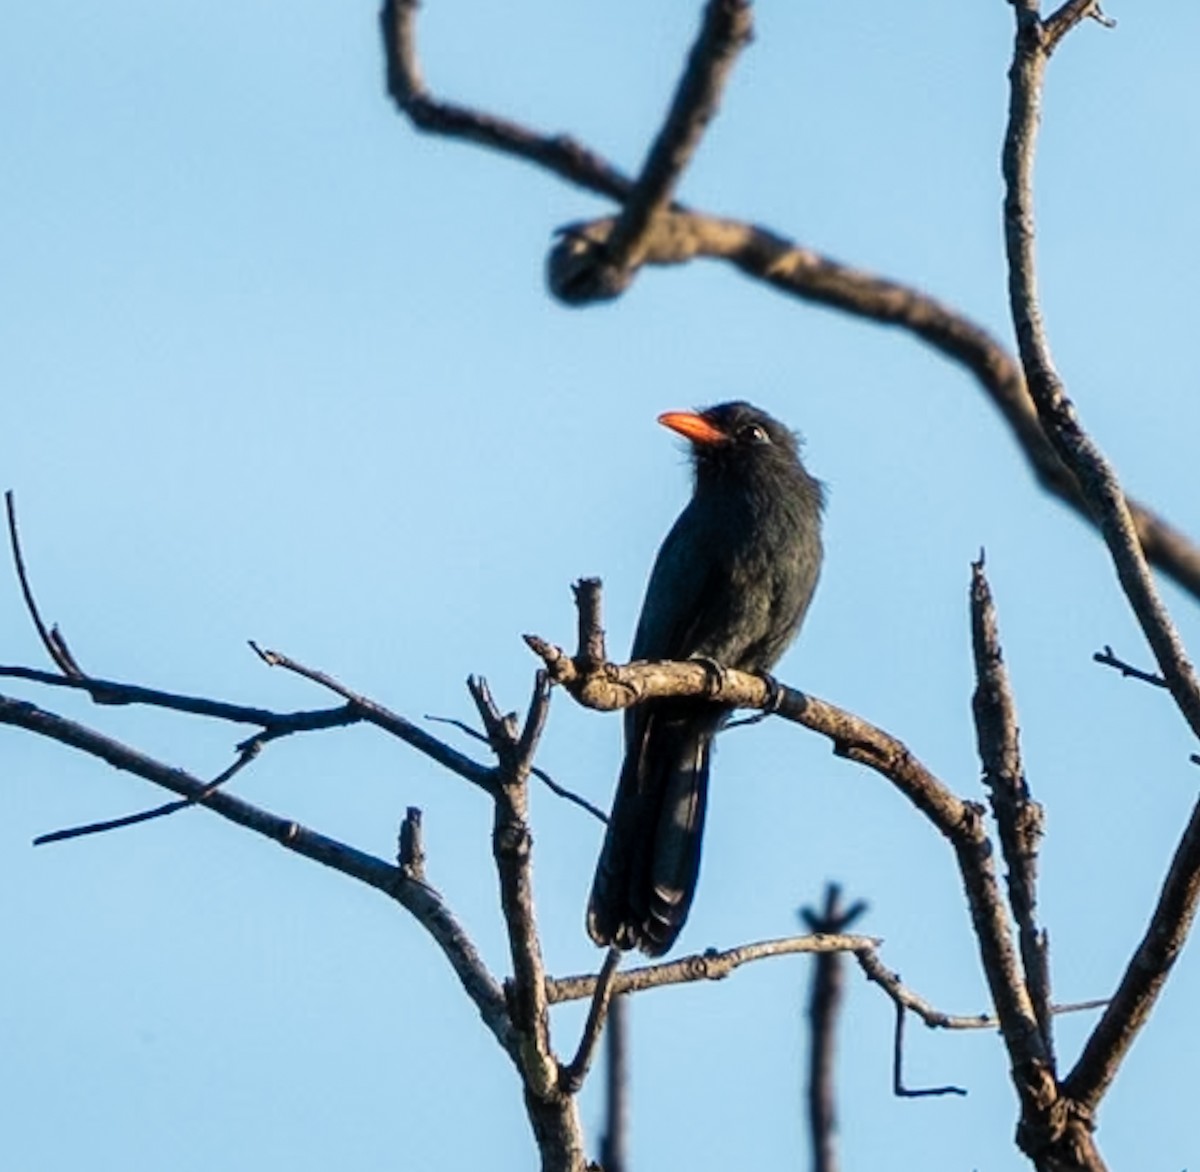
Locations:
(613, 262)
(610, 686)
(824, 1009)
(703, 966)
(422, 901)
(1019, 819)
(898, 1088)
(677, 235)
(1047, 1139)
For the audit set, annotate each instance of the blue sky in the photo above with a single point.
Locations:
(276, 367)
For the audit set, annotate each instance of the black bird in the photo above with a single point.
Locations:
(731, 584)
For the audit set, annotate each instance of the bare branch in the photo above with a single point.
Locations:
(725, 28)
(1095, 475)
(614, 1143)
(878, 973)
(571, 1077)
(244, 758)
(421, 900)
(1108, 659)
(553, 786)
(512, 846)
(1056, 1122)
(1145, 975)
(824, 1007)
(702, 966)
(679, 235)
(1018, 817)
(1064, 19)
(274, 724)
(558, 153)
(610, 686)
(55, 645)
(898, 1087)
(389, 721)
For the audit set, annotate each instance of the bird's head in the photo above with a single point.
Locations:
(734, 438)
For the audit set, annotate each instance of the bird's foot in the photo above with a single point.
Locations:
(773, 703)
(717, 674)
(774, 693)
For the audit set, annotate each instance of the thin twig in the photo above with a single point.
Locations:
(274, 724)
(1108, 659)
(898, 1087)
(553, 786)
(1144, 976)
(421, 900)
(389, 721)
(244, 758)
(1065, 18)
(878, 973)
(572, 1076)
(55, 645)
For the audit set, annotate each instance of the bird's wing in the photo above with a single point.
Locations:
(674, 613)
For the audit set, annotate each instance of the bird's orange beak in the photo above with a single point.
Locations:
(694, 427)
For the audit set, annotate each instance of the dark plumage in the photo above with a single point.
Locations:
(731, 583)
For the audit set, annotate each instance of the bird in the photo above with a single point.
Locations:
(730, 586)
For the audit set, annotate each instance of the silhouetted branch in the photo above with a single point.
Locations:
(572, 1075)
(878, 973)
(824, 1007)
(244, 758)
(611, 265)
(898, 1087)
(1144, 976)
(614, 1143)
(1096, 477)
(421, 900)
(1019, 819)
(1057, 1121)
(558, 153)
(679, 235)
(550, 1102)
(553, 786)
(54, 643)
(389, 721)
(273, 724)
(1108, 659)
(611, 686)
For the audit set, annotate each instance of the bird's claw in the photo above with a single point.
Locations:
(716, 674)
(774, 693)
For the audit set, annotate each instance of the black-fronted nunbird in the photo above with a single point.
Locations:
(731, 585)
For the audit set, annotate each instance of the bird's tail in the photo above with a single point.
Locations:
(650, 862)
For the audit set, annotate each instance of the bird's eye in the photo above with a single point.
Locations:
(753, 434)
